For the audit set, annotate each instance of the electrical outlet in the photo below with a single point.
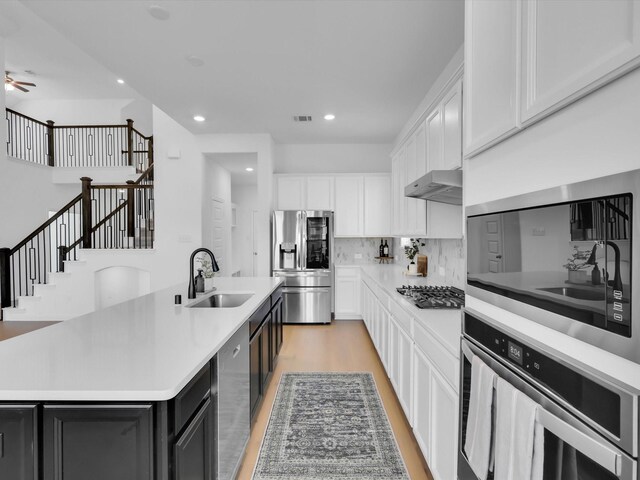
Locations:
(539, 232)
(357, 256)
(441, 271)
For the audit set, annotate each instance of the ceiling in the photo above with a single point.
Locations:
(369, 62)
(36, 52)
(236, 164)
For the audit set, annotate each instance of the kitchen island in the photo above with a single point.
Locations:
(131, 391)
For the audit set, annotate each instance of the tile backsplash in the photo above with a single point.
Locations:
(446, 254)
(442, 254)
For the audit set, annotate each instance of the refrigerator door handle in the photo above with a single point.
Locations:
(306, 291)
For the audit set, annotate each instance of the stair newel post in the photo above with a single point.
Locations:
(131, 209)
(50, 144)
(130, 141)
(62, 256)
(87, 214)
(150, 155)
(5, 279)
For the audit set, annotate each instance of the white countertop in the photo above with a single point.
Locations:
(146, 349)
(444, 324)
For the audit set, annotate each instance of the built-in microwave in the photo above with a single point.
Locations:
(564, 257)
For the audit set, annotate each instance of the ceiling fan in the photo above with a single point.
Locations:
(10, 83)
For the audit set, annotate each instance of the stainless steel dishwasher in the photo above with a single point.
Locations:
(233, 423)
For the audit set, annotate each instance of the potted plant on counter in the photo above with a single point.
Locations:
(577, 265)
(411, 251)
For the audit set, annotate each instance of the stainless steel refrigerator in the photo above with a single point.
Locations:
(302, 254)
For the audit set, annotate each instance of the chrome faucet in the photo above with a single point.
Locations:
(214, 266)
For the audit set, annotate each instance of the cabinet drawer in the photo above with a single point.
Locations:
(190, 397)
(446, 363)
(405, 321)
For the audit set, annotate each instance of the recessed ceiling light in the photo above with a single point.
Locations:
(249, 169)
(199, 118)
(329, 116)
(158, 12)
(120, 81)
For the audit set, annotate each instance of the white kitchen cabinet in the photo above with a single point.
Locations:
(377, 205)
(443, 451)
(491, 52)
(394, 355)
(347, 291)
(399, 207)
(452, 128)
(405, 373)
(320, 193)
(349, 217)
(291, 193)
(572, 47)
(434, 140)
(422, 401)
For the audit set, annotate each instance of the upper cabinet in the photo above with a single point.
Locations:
(349, 215)
(573, 47)
(320, 193)
(361, 202)
(524, 60)
(435, 144)
(490, 71)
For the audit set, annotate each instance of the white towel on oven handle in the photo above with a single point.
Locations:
(477, 443)
(519, 437)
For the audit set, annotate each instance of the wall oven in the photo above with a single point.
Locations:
(564, 257)
(590, 426)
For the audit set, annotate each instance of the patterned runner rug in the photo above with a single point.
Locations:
(328, 426)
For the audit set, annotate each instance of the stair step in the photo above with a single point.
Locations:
(27, 301)
(43, 287)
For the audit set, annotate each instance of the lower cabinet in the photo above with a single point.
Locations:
(347, 292)
(264, 346)
(426, 395)
(192, 457)
(18, 440)
(101, 442)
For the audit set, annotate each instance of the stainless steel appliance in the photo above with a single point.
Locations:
(431, 296)
(302, 254)
(563, 257)
(590, 424)
(443, 186)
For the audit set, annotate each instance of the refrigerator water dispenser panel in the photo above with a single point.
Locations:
(288, 255)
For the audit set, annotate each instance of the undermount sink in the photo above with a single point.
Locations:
(223, 300)
(577, 293)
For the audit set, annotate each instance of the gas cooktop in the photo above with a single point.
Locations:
(430, 296)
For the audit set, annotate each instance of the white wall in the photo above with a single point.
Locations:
(3, 105)
(594, 137)
(141, 112)
(75, 111)
(27, 195)
(332, 158)
(262, 145)
(178, 200)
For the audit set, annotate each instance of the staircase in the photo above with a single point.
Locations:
(35, 274)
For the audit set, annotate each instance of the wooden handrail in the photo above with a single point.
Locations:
(144, 174)
(38, 230)
(89, 126)
(27, 117)
(141, 134)
(123, 186)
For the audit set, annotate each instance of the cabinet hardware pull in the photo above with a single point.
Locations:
(236, 351)
(1, 445)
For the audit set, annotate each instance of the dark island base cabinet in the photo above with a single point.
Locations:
(18, 442)
(264, 347)
(192, 457)
(101, 442)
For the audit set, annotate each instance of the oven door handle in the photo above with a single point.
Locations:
(599, 452)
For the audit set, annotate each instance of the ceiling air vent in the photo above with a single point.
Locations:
(302, 118)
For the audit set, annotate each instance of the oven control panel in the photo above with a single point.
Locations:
(575, 388)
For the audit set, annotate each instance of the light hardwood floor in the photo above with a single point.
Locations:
(342, 346)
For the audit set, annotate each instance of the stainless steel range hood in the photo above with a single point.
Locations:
(444, 186)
